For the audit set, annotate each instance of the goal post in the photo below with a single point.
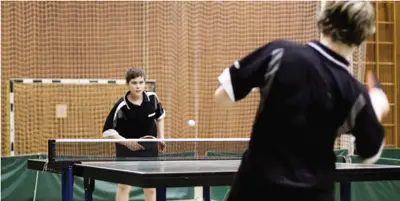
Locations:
(36, 104)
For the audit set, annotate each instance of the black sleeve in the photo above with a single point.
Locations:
(368, 131)
(110, 123)
(248, 73)
(160, 112)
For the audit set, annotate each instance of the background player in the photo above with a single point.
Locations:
(137, 114)
(308, 97)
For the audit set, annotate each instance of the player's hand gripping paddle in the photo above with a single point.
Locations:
(148, 145)
(134, 146)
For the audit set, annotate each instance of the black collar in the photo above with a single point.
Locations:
(129, 104)
(330, 54)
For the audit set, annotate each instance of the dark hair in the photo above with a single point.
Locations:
(133, 73)
(349, 22)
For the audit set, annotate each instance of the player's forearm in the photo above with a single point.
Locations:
(222, 98)
(112, 134)
(114, 137)
(160, 129)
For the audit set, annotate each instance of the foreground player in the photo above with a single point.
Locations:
(307, 98)
(137, 114)
(378, 97)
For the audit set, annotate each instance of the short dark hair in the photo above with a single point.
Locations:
(348, 22)
(133, 73)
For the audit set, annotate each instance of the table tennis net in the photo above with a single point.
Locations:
(175, 149)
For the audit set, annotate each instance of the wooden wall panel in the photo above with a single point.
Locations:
(397, 70)
(381, 59)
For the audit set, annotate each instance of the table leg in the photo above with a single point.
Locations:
(64, 186)
(345, 191)
(67, 178)
(161, 194)
(88, 184)
(206, 193)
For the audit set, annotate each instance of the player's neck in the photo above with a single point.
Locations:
(135, 98)
(340, 48)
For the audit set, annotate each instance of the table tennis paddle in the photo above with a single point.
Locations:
(152, 145)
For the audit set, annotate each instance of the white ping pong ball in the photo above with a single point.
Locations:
(191, 123)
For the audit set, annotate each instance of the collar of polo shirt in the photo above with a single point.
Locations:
(145, 98)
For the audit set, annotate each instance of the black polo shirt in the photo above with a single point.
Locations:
(134, 121)
(307, 98)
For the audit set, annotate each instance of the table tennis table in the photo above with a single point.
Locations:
(186, 173)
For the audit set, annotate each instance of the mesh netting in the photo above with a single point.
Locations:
(61, 110)
(169, 149)
(184, 46)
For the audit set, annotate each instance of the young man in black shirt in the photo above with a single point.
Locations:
(137, 114)
(307, 98)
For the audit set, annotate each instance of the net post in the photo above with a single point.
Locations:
(51, 149)
(12, 115)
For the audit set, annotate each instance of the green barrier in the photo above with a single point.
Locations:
(340, 158)
(18, 184)
(224, 154)
(97, 157)
(341, 152)
(105, 191)
(381, 190)
(49, 188)
(392, 153)
(218, 193)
